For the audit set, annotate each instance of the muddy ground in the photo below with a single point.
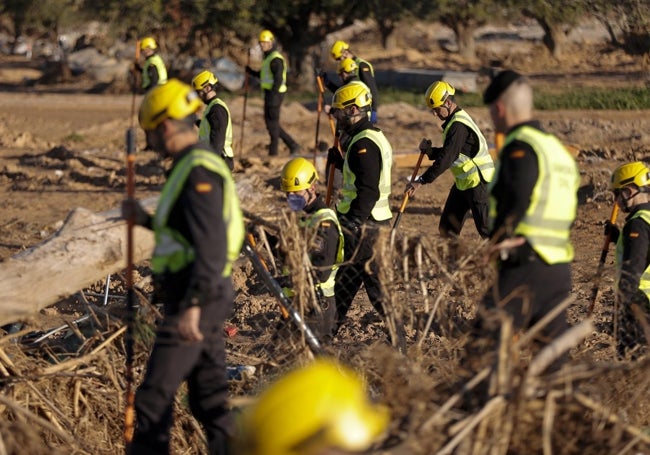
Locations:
(61, 149)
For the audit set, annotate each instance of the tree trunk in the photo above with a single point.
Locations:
(554, 38)
(466, 41)
(88, 247)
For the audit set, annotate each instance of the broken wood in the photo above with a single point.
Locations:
(85, 249)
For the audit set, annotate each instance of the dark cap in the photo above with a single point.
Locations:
(499, 84)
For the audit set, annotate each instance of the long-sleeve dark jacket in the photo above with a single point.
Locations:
(322, 251)
(518, 173)
(459, 139)
(636, 256)
(218, 120)
(366, 76)
(364, 159)
(198, 216)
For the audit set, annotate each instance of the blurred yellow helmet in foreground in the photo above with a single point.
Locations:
(175, 100)
(320, 406)
(298, 174)
(635, 173)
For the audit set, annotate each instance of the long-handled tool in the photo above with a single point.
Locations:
(321, 91)
(129, 411)
(285, 304)
(243, 118)
(601, 263)
(406, 193)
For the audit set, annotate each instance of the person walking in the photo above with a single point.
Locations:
(341, 50)
(215, 126)
(154, 71)
(631, 186)
(364, 206)
(199, 230)
(273, 80)
(465, 152)
(533, 204)
(323, 232)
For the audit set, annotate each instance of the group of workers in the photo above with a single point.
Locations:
(525, 204)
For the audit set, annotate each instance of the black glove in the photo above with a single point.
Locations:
(334, 156)
(323, 76)
(425, 147)
(350, 225)
(612, 231)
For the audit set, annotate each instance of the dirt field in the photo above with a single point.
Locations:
(60, 151)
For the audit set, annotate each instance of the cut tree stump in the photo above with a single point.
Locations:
(88, 247)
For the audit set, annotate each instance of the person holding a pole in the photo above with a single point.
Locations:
(533, 204)
(364, 206)
(465, 152)
(199, 231)
(631, 186)
(215, 126)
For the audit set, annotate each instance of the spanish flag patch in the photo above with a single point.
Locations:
(362, 151)
(634, 235)
(517, 154)
(203, 187)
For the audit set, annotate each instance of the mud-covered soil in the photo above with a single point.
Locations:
(60, 151)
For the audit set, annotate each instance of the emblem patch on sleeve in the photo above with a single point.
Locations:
(203, 187)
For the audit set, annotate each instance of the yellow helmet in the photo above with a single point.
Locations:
(437, 94)
(348, 65)
(202, 79)
(318, 407)
(175, 100)
(298, 174)
(635, 173)
(148, 43)
(266, 35)
(337, 49)
(352, 94)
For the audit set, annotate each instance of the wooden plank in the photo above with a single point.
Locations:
(88, 247)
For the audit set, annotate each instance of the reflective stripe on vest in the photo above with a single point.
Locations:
(173, 252)
(466, 169)
(205, 128)
(157, 61)
(381, 209)
(554, 200)
(315, 220)
(644, 281)
(266, 76)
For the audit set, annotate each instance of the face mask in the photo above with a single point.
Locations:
(296, 202)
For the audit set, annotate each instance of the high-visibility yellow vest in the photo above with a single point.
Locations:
(157, 61)
(644, 281)
(205, 128)
(466, 169)
(381, 210)
(313, 221)
(359, 61)
(266, 76)
(173, 252)
(554, 200)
